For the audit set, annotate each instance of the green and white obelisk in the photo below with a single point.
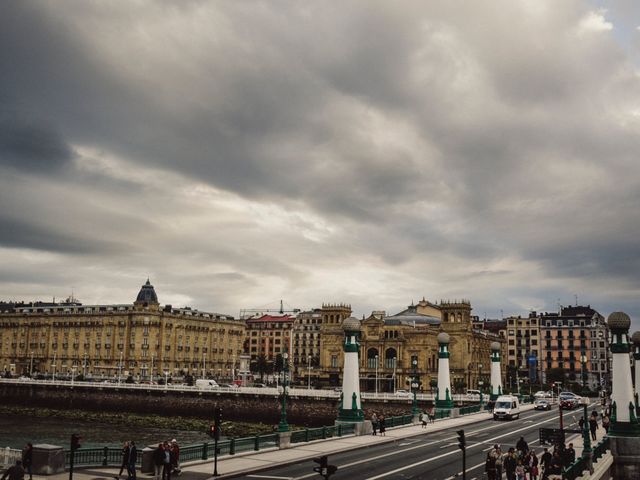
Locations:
(350, 409)
(496, 375)
(444, 398)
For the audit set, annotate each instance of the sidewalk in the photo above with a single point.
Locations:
(255, 461)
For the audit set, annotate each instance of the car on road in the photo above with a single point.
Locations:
(506, 407)
(473, 394)
(569, 403)
(542, 404)
(543, 394)
(402, 394)
(206, 384)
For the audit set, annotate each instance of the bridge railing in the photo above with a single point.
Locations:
(8, 456)
(577, 468)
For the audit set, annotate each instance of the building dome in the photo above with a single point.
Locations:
(351, 324)
(443, 337)
(619, 321)
(147, 294)
(495, 346)
(635, 338)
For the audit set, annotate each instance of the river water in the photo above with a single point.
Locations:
(17, 430)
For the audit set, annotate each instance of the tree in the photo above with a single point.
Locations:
(279, 364)
(555, 375)
(260, 366)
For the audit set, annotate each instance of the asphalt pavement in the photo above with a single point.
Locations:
(433, 456)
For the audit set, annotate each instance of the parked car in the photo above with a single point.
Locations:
(473, 393)
(205, 384)
(259, 385)
(542, 404)
(402, 394)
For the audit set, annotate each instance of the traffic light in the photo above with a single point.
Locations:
(217, 415)
(212, 431)
(323, 468)
(217, 423)
(75, 441)
(322, 465)
(462, 443)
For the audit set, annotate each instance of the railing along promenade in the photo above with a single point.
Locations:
(268, 391)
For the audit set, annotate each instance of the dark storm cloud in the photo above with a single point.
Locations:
(24, 234)
(451, 139)
(31, 146)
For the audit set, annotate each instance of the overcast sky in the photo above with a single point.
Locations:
(367, 152)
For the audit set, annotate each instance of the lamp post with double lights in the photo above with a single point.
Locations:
(283, 426)
(415, 384)
(583, 374)
(586, 439)
(84, 367)
(120, 368)
(308, 372)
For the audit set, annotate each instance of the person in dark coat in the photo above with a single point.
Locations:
(545, 462)
(166, 462)
(383, 425)
(133, 457)
(569, 455)
(593, 426)
(27, 459)
(490, 466)
(125, 459)
(522, 446)
(158, 462)
(15, 472)
(510, 464)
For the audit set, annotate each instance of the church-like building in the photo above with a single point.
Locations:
(390, 345)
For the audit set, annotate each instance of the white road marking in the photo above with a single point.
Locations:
(270, 476)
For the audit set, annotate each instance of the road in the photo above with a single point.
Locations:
(433, 456)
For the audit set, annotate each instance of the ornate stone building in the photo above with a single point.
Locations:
(389, 344)
(140, 339)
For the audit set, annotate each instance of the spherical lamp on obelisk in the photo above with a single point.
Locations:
(623, 412)
(635, 340)
(443, 391)
(496, 375)
(350, 409)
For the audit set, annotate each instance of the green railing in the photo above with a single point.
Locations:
(105, 456)
(310, 434)
(600, 449)
(444, 413)
(399, 420)
(470, 409)
(576, 469)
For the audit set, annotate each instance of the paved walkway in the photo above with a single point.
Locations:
(265, 459)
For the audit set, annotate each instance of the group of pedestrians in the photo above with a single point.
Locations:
(519, 463)
(129, 459)
(166, 460)
(378, 424)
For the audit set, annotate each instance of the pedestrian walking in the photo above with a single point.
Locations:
(581, 423)
(158, 462)
(166, 462)
(533, 465)
(432, 415)
(131, 464)
(175, 460)
(125, 459)
(510, 464)
(499, 461)
(383, 426)
(15, 472)
(545, 461)
(490, 466)
(605, 423)
(593, 426)
(522, 446)
(374, 423)
(520, 475)
(27, 459)
(569, 455)
(423, 419)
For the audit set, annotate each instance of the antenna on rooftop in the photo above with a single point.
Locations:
(576, 297)
(281, 307)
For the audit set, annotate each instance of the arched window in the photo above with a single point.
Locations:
(390, 358)
(372, 357)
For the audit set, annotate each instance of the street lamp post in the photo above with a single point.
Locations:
(376, 375)
(84, 368)
(583, 373)
(55, 365)
(31, 366)
(415, 383)
(204, 363)
(166, 378)
(586, 439)
(151, 374)
(283, 426)
(308, 372)
(120, 367)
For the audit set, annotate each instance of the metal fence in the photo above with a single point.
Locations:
(8, 456)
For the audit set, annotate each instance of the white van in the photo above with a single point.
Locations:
(506, 407)
(204, 384)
